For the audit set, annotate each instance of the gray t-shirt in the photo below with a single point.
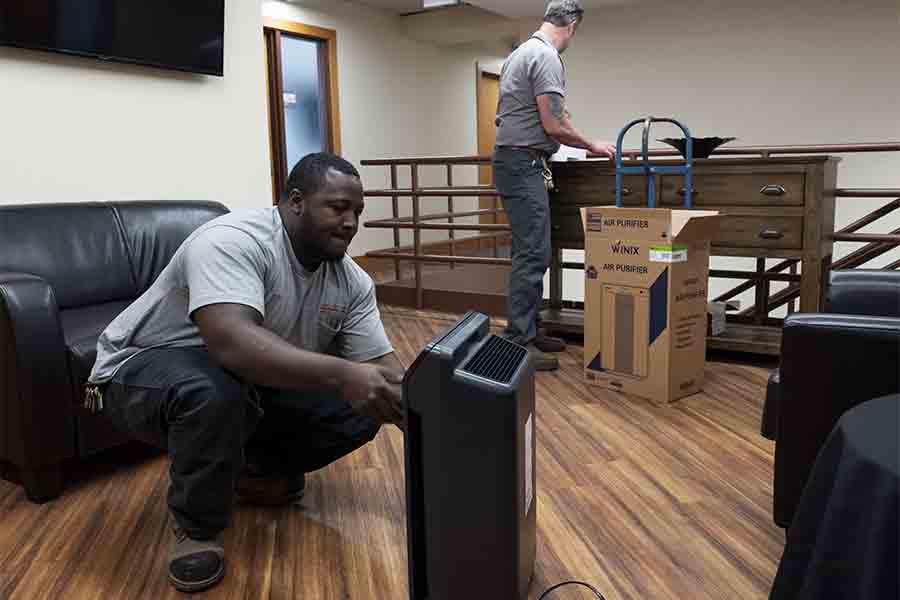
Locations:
(247, 258)
(533, 69)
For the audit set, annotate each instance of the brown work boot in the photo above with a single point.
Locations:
(541, 361)
(194, 565)
(257, 487)
(548, 343)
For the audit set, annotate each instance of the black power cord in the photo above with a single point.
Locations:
(581, 583)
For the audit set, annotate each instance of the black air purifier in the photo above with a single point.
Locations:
(470, 472)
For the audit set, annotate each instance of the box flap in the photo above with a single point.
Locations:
(592, 217)
(695, 225)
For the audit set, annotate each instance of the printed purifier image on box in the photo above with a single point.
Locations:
(626, 315)
(646, 282)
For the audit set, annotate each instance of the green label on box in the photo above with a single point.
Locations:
(668, 254)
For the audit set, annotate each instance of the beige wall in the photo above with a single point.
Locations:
(398, 98)
(802, 72)
(382, 82)
(77, 129)
(768, 73)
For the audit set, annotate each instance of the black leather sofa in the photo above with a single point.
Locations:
(66, 271)
(830, 362)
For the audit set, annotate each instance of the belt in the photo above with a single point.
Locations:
(540, 156)
(536, 152)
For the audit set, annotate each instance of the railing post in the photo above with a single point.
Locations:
(494, 221)
(417, 234)
(450, 210)
(790, 306)
(762, 293)
(396, 207)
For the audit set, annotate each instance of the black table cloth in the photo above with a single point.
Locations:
(842, 543)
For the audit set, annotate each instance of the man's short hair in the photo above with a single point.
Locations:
(563, 13)
(308, 175)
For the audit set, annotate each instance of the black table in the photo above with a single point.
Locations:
(843, 541)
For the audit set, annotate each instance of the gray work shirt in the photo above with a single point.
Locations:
(247, 258)
(533, 69)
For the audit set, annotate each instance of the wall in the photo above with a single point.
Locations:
(803, 72)
(382, 84)
(77, 129)
(398, 97)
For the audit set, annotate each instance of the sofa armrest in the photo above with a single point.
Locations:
(769, 425)
(829, 364)
(36, 404)
(864, 292)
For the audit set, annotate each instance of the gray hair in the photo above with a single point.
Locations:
(563, 13)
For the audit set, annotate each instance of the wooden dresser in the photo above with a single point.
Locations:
(780, 208)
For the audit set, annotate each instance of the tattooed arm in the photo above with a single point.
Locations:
(558, 125)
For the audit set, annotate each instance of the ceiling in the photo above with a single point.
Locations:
(507, 8)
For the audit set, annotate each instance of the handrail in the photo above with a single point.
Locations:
(721, 151)
(442, 226)
(432, 192)
(440, 258)
(873, 244)
(435, 216)
(874, 193)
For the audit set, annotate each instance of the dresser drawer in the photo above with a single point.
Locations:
(737, 189)
(752, 231)
(575, 188)
(566, 228)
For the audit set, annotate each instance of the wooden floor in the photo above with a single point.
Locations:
(644, 501)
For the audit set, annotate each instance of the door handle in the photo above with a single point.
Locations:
(771, 234)
(773, 190)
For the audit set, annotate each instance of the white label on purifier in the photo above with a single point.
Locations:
(668, 254)
(529, 466)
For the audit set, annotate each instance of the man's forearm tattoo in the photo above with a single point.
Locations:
(557, 106)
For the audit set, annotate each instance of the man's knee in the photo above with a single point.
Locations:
(534, 260)
(215, 398)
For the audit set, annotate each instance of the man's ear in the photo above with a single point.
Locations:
(295, 201)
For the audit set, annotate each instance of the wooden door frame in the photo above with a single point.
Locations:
(483, 201)
(272, 30)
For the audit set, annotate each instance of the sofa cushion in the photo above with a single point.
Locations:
(77, 248)
(154, 230)
(81, 329)
(864, 292)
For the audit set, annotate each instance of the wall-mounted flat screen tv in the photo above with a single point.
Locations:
(186, 35)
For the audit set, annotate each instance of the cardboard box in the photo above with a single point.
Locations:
(646, 282)
(716, 312)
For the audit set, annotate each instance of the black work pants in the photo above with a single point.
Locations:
(210, 421)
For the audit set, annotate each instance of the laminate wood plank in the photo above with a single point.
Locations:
(641, 499)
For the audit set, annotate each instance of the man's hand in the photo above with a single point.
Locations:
(373, 391)
(601, 148)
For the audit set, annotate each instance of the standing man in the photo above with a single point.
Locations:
(532, 122)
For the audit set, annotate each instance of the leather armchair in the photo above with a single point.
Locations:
(66, 271)
(830, 362)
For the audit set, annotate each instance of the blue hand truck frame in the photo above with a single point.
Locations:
(649, 169)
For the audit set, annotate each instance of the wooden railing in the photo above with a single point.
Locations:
(786, 271)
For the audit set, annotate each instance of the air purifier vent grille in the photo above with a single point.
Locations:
(497, 360)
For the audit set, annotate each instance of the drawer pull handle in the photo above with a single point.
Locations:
(626, 191)
(771, 234)
(773, 190)
(681, 192)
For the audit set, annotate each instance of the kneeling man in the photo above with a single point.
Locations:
(258, 355)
